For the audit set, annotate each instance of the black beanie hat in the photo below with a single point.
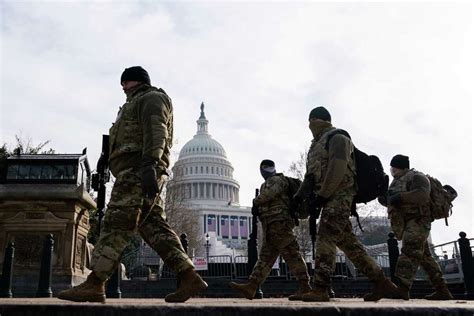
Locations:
(400, 162)
(320, 113)
(267, 162)
(135, 73)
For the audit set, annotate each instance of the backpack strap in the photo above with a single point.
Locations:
(356, 215)
(333, 133)
(290, 198)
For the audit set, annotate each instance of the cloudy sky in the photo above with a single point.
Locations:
(398, 77)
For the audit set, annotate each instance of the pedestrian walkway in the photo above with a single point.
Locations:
(232, 306)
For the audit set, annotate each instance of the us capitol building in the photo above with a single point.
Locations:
(204, 178)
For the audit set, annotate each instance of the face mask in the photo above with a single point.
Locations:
(317, 126)
(267, 172)
(394, 172)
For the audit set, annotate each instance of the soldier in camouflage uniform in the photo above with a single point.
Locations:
(278, 237)
(408, 203)
(140, 142)
(333, 168)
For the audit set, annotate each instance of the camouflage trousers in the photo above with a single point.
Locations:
(279, 239)
(335, 230)
(416, 252)
(121, 223)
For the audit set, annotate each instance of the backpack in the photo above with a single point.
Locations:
(441, 197)
(370, 178)
(293, 186)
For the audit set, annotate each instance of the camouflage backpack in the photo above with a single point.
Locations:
(441, 197)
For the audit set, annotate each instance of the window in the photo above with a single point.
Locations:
(12, 172)
(23, 172)
(45, 172)
(225, 226)
(207, 169)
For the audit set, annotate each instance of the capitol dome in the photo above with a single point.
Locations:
(202, 143)
(203, 174)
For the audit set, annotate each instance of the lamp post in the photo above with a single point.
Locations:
(207, 245)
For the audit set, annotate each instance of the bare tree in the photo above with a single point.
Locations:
(179, 214)
(181, 217)
(26, 146)
(374, 222)
(298, 169)
(22, 146)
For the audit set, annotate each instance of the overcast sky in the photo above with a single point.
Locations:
(398, 77)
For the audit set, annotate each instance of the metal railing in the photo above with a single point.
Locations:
(151, 267)
(448, 257)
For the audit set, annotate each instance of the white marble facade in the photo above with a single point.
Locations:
(204, 179)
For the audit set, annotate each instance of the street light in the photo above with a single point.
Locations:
(207, 245)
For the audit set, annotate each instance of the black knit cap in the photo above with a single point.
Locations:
(135, 73)
(267, 162)
(320, 113)
(400, 162)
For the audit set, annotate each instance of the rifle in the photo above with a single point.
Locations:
(100, 178)
(252, 245)
(312, 230)
(255, 213)
(309, 202)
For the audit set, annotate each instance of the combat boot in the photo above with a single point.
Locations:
(442, 293)
(190, 284)
(303, 289)
(92, 290)
(403, 293)
(318, 294)
(247, 289)
(383, 288)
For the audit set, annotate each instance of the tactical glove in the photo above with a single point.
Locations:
(382, 200)
(320, 201)
(394, 200)
(254, 209)
(149, 181)
(297, 199)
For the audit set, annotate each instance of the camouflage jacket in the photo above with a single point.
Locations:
(333, 167)
(273, 200)
(414, 189)
(144, 126)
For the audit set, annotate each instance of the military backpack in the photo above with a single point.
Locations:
(296, 211)
(441, 197)
(371, 179)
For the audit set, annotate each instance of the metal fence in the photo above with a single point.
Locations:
(151, 267)
(448, 257)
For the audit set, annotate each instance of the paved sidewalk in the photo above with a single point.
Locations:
(232, 306)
